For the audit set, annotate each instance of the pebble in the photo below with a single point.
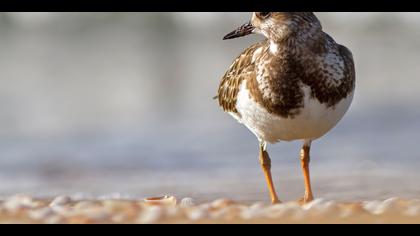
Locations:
(253, 212)
(317, 203)
(172, 211)
(61, 201)
(378, 207)
(321, 208)
(64, 209)
(197, 213)
(61, 210)
(413, 211)
(151, 215)
(278, 211)
(19, 202)
(205, 206)
(371, 206)
(41, 214)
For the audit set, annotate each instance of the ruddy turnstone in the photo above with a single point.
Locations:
(297, 84)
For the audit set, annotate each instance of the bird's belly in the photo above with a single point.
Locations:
(313, 121)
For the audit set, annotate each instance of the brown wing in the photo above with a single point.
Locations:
(349, 72)
(241, 69)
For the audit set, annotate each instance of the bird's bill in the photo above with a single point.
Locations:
(244, 30)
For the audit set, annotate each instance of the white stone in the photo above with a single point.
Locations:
(197, 214)
(412, 211)
(61, 201)
(19, 202)
(151, 215)
(41, 214)
(379, 208)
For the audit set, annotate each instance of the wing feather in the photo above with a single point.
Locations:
(243, 68)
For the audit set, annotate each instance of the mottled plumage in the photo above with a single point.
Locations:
(295, 85)
(277, 70)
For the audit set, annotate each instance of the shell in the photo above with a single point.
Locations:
(161, 201)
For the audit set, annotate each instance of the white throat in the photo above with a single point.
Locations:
(274, 47)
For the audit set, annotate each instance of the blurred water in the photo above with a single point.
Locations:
(122, 102)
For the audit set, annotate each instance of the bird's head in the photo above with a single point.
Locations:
(277, 26)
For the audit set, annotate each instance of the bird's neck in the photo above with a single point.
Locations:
(296, 43)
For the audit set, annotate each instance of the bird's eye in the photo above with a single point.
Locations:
(264, 15)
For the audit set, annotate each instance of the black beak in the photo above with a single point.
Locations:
(244, 30)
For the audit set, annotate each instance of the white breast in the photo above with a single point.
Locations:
(314, 120)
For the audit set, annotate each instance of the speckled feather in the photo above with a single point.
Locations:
(315, 60)
(243, 68)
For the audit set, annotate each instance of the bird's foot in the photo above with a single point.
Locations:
(306, 199)
(275, 201)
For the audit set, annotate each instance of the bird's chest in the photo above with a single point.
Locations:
(310, 121)
(277, 85)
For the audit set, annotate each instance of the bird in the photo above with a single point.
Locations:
(294, 85)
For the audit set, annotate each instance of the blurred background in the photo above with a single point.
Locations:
(120, 104)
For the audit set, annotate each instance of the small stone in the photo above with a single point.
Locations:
(412, 211)
(379, 208)
(321, 208)
(119, 218)
(389, 206)
(278, 211)
(253, 212)
(61, 201)
(197, 214)
(205, 206)
(174, 213)
(371, 206)
(19, 202)
(61, 210)
(151, 215)
(329, 209)
(314, 204)
(41, 214)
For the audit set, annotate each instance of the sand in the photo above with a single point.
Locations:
(168, 209)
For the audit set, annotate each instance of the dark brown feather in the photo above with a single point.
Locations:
(241, 69)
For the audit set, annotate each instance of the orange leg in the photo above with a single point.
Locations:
(265, 162)
(305, 159)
